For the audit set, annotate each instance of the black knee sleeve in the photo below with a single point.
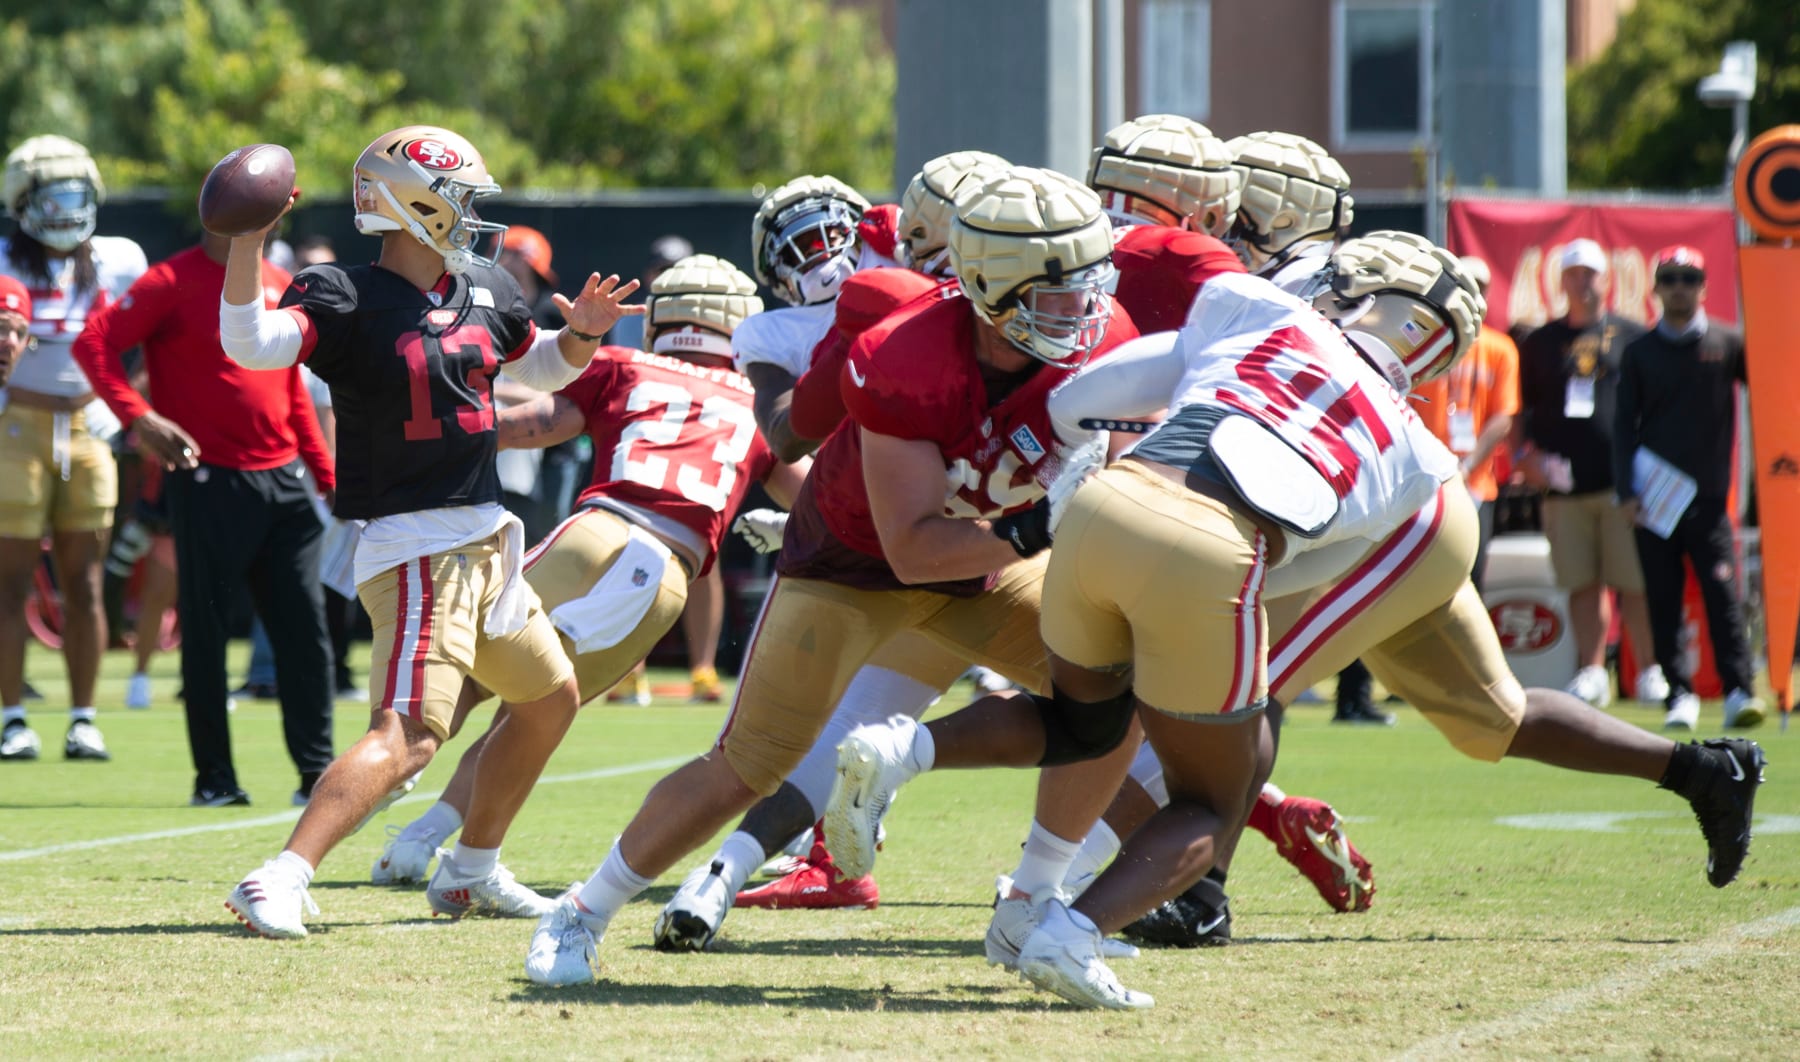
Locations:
(1081, 730)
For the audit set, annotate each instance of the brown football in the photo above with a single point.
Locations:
(247, 190)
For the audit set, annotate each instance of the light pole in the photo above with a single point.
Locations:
(1733, 86)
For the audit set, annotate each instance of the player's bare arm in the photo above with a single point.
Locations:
(774, 397)
(540, 422)
(784, 481)
(906, 483)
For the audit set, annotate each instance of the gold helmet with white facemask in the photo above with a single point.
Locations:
(424, 180)
(1293, 191)
(1033, 251)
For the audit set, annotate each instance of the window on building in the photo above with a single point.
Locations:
(1381, 57)
(1175, 57)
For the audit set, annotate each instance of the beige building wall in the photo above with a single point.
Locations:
(1592, 26)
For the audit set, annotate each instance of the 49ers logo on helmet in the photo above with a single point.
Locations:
(433, 154)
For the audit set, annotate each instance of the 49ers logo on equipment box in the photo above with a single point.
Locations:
(1524, 626)
(433, 154)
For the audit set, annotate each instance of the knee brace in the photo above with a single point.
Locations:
(1081, 730)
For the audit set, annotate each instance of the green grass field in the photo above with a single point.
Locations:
(1585, 937)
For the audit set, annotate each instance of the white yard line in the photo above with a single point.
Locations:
(1626, 982)
(290, 816)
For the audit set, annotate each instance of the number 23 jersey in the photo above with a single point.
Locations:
(410, 375)
(671, 436)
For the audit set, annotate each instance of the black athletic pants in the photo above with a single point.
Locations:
(254, 529)
(1704, 537)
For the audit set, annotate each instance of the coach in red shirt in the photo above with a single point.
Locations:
(238, 445)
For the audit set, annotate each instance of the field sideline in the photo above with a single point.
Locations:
(1521, 912)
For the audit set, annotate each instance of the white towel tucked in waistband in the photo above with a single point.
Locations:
(618, 602)
(512, 607)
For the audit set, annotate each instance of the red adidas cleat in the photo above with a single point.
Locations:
(1309, 835)
(817, 884)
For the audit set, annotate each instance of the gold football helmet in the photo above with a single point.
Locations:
(53, 189)
(804, 239)
(929, 206)
(1411, 307)
(1162, 169)
(1293, 190)
(696, 304)
(425, 180)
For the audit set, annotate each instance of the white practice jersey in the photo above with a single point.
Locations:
(785, 336)
(59, 312)
(1252, 349)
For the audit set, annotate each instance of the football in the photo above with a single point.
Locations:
(247, 190)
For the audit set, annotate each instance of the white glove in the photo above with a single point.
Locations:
(761, 528)
(1078, 463)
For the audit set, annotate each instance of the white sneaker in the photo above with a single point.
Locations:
(405, 860)
(1652, 687)
(565, 946)
(1593, 685)
(83, 742)
(1015, 918)
(873, 762)
(270, 901)
(387, 800)
(692, 917)
(137, 691)
(1062, 955)
(497, 895)
(19, 742)
(1743, 710)
(1684, 712)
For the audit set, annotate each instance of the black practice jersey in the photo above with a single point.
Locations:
(410, 375)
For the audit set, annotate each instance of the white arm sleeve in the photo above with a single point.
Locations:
(1134, 381)
(543, 368)
(257, 339)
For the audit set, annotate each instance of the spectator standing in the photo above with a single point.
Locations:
(1568, 383)
(237, 446)
(1678, 401)
(57, 471)
(1471, 409)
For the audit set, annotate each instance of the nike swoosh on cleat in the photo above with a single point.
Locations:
(1737, 769)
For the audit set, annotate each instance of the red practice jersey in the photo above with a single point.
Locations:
(868, 296)
(914, 376)
(1161, 269)
(671, 437)
(880, 231)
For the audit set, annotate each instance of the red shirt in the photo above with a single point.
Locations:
(914, 376)
(241, 418)
(672, 437)
(1160, 269)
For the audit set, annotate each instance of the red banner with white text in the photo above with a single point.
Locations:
(1522, 240)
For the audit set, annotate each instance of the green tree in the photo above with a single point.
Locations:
(1634, 120)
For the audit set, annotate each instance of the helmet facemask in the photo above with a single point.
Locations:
(61, 214)
(811, 250)
(1407, 338)
(425, 181)
(1060, 321)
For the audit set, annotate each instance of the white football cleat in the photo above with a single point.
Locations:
(1015, 918)
(404, 860)
(270, 901)
(694, 914)
(498, 894)
(873, 762)
(1062, 955)
(1593, 685)
(137, 691)
(19, 742)
(1652, 685)
(1683, 713)
(565, 946)
(83, 742)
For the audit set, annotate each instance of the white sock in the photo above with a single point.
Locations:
(296, 866)
(924, 748)
(12, 713)
(1045, 862)
(439, 822)
(474, 862)
(1271, 794)
(1097, 851)
(738, 858)
(613, 886)
(82, 715)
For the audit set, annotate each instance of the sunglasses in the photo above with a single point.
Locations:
(1692, 278)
